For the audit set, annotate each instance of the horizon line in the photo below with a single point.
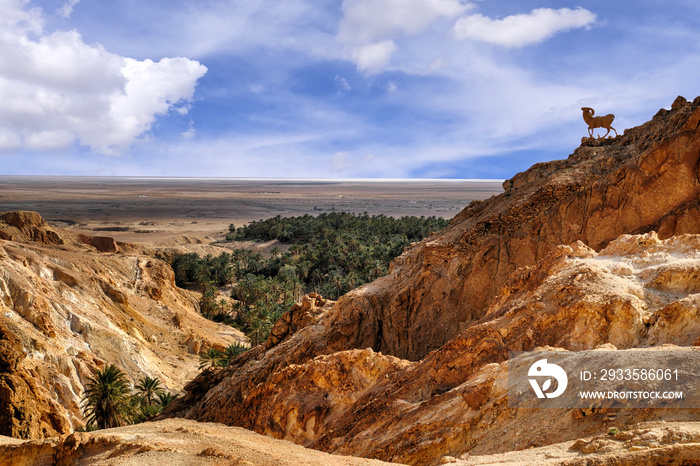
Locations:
(290, 179)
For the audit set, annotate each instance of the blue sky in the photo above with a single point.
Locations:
(328, 89)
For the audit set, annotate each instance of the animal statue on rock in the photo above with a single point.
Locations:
(598, 122)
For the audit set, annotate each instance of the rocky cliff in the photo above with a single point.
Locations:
(70, 304)
(645, 180)
(412, 366)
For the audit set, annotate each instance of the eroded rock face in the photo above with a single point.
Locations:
(301, 315)
(27, 226)
(67, 309)
(26, 410)
(454, 400)
(101, 243)
(496, 280)
(645, 180)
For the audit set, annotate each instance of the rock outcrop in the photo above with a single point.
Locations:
(26, 410)
(101, 243)
(27, 226)
(66, 309)
(303, 314)
(427, 344)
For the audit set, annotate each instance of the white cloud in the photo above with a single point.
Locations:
(367, 21)
(9, 139)
(368, 27)
(67, 8)
(373, 58)
(150, 90)
(58, 90)
(522, 29)
(15, 17)
(48, 139)
(190, 133)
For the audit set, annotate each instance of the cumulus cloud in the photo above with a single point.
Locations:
(369, 27)
(16, 17)
(522, 29)
(58, 90)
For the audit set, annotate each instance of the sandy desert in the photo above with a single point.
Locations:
(172, 211)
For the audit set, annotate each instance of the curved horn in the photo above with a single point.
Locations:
(589, 110)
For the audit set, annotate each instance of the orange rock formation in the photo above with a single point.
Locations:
(411, 367)
(70, 304)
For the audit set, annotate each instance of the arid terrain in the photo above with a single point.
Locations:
(595, 251)
(174, 211)
(598, 252)
(171, 442)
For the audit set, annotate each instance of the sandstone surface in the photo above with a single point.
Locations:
(411, 367)
(70, 304)
(648, 444)
(173, 442)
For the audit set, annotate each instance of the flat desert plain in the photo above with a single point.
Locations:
(173, 211)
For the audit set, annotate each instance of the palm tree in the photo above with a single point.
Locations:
(211, 358)
(207, 303)
(165, 398)
(106, 400)
(223, 306)
(233, 350)
(149, 388)
(258, 327)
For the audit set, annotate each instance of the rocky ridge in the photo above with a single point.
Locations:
(411, 367)
(70, 304)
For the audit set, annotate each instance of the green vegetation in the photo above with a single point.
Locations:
(211, 358)
(148, 389)
(233, 351)
(108, 401)
(106, 398)
(329, 254)
(214, 357)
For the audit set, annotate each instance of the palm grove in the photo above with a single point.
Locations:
(329, 254)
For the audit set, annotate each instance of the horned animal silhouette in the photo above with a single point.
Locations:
(597, 121)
